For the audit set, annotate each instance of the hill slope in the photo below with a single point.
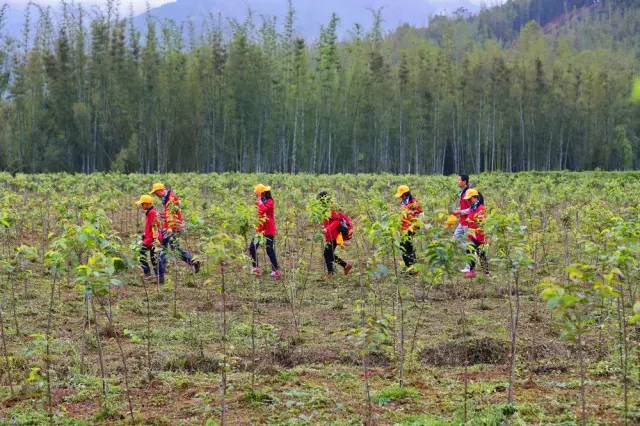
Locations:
(310, 14)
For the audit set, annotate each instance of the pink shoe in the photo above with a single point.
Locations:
(256, 271)
(470, 274)
(276, 274)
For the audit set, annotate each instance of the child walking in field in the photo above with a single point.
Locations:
(266, 230)
(476, 235)
(411, 212)
(337, 228)
(172, 225)
(150, 236)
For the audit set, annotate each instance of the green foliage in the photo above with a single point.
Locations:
(578, 230)
(635, 91)
(98, 274)
(575, 299)
(259, 398)
(375, 335)
(395, 394)
(91, 96)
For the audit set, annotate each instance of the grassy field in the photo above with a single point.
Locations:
(86, 341)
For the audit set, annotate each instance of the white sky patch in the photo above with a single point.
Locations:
(476, 2)
(138, 5)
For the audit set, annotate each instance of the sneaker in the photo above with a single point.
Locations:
(256, 271)
(348, 268)
(196, 266)
(276, 275)
(466, 269)
(470, 274)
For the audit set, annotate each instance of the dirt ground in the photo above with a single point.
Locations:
(308, 366)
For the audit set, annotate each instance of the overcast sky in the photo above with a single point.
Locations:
(139, 5)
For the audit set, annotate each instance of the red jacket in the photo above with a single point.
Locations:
(412, 210)
(474, 220)
(151, 228)
(266, 219)
(464, 205)
(331, 226)
(172, 215)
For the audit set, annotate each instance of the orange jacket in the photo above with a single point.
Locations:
(474, 220)
(172, 215)
(412, 210)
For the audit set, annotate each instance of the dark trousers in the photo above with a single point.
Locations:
(271, 251)
(330, 257)
(158, 264)
(476, 249)
(408, 251)
(173, 243)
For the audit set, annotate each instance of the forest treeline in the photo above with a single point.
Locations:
(89, 92)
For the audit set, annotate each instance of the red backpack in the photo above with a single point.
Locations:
(346, 227)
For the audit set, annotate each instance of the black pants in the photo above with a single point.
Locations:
(271, 252)
(173, 243)
(330, 257)
(408, 251)
(158, 267)
(477, 249)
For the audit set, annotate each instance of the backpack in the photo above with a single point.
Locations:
(346, 227)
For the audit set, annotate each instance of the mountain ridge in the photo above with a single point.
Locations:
(309, 15)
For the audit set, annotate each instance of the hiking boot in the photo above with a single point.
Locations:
(196, 266)
(276, 275)
(256, 271)
(347, 268)
(470, 274)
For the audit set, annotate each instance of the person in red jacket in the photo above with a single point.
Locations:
(266, 229)
(150, 236)
(333, 227)
(462, 212)
(476, 236)
(172, 225)
(463, 209)
(410, 223)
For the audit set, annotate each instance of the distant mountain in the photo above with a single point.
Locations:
(310, 14)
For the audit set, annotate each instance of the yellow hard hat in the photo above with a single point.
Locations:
(471, 193)
(145, 199)
(402, 189)
(157, 187)
(260, 188)
(340, 240)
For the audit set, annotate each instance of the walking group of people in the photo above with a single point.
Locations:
(337, 228)
(164, 230)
